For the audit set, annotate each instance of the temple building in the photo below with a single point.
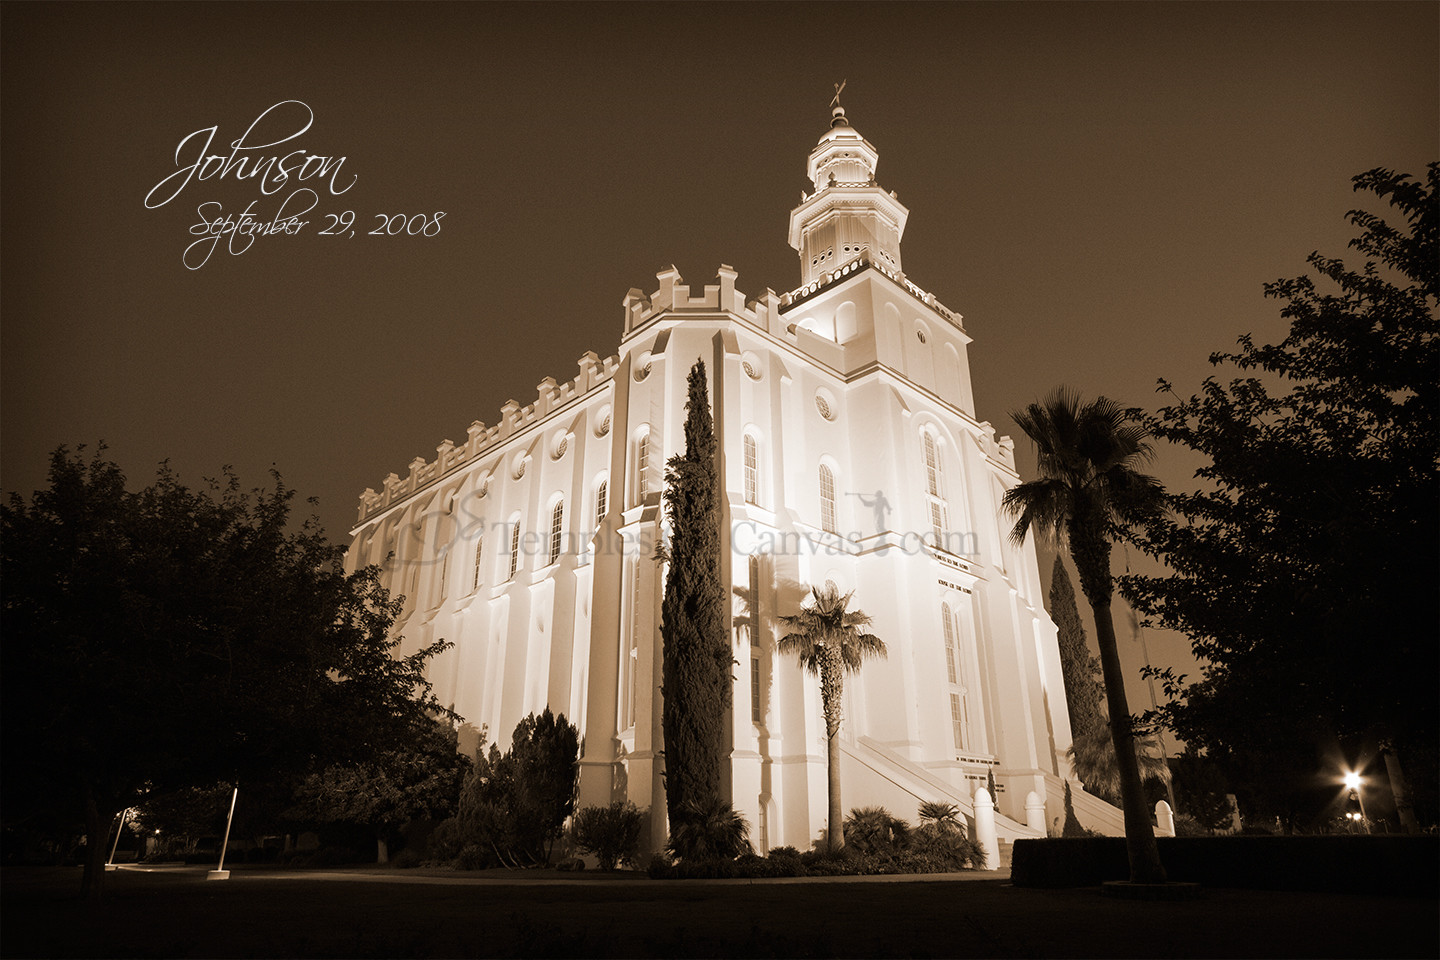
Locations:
(849, 453)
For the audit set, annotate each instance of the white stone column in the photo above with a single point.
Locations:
(1164, 819)
(985, 828)
(1035, 812)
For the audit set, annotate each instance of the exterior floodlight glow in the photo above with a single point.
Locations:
(1352, 781)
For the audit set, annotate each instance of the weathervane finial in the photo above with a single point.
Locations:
(837, 112)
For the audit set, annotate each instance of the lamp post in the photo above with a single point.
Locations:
(110, 864)
(220, 873)
(1353, 781)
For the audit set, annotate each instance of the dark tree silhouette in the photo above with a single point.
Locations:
(1079, 670)
(1305, 569)
(697, 658)
(168, 638)
(1088, 488)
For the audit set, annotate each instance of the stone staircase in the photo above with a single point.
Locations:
(1007, 850)
(879, 776)
(1092, 812)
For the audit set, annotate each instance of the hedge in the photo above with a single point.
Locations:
(1374, 864)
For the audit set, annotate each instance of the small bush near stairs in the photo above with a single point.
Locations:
(876, 842)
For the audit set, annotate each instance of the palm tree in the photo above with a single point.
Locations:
(710, 830)
(1089, 488)
(1092, 758)
(945, 816)
(942, 836)
(829, 642)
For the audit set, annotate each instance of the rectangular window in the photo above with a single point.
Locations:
(932, 467)
(950, 653)
(602, 494)
(633, 658)
(755, 712)
(479, 552)
(957, 720)
(514, 549)
(642, 466)
(752, 471)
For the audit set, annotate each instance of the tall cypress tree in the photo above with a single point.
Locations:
(697, 657)
(1078, 668)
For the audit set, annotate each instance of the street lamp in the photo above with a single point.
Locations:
(1353, 783)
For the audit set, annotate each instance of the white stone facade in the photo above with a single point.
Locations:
(849, 451)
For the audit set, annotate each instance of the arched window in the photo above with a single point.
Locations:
(602, 494)
(935, 488)
(514, 548)
(827, 499)
(557, 530)
(752, 470)
(642, 466)
(479, 552)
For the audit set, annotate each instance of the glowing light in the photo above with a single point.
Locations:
(1352, 780)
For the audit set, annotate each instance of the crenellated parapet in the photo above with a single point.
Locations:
(675, 296)
(998, 449)
(480, 438)
(828, 278)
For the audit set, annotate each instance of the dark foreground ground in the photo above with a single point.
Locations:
(385, 913)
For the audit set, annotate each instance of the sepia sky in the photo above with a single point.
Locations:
(1100, 189)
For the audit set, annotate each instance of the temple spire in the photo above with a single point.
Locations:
(849, 215)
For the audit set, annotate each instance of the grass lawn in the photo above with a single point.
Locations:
(371, 912)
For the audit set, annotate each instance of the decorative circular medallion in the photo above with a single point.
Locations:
(822, 403)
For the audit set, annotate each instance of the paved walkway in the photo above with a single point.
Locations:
(510, 878)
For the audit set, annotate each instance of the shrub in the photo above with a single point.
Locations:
(941, 843)
(446, 841)
(946, 848)
(787, 862)
(875, 829)
(1188, 826)
(515, 804)
(661, 867)
(406, 859)
(611, 833)
(822, 863)
(713, 831)
(473, 857)
(570, 864)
